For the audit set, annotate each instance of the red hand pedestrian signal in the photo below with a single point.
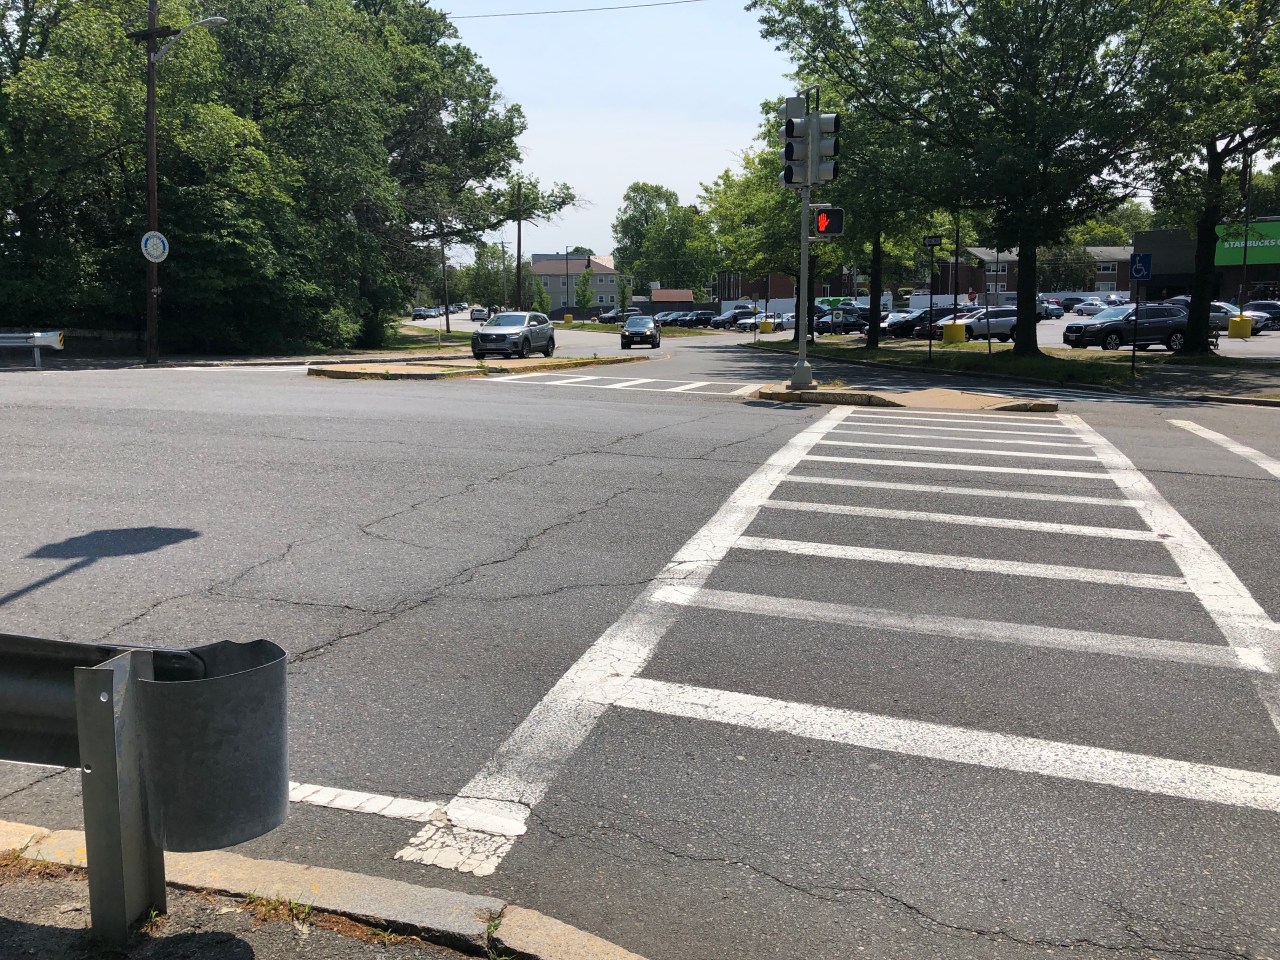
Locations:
(830, 222)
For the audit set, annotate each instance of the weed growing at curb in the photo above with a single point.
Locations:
(490, 932)
(15, 866)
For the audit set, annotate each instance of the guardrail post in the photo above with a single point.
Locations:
(126, 879)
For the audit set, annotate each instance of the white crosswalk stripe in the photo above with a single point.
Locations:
(475, 830)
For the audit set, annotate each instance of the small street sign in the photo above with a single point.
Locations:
(154, 246)
(1139, 266)
(934, 241)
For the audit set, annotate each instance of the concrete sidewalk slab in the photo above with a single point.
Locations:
(934, 398)
(474, 924)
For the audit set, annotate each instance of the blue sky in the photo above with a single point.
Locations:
(668, 95)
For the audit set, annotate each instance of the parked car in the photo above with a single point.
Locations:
(730, 318)
(1270, 307)
(786, 321)
(662, 318)
(641, 330)
(999, 323)
(933, 331)
(1113, 328)
(698, 318)
(1049, 308)
(751, 324)
(420, 313)
(1090, 308)
(479, 313)
(615, 315)
(1221, 312)
(514, 334)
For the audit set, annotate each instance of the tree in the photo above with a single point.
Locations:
(1225, 57)
(1114, 228)
(582, 252)
(1029, 110)
(677, 249)
(624, 295)
(541, 299)
(1066, 267)
(583, 296)
(642, 205)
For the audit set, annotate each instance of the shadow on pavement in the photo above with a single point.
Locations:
(21, 939)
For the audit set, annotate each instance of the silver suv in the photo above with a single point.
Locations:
(514, 334)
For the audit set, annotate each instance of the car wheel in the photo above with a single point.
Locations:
(1112, 341)
(551, 347)
(1003, 337)
(476, 356)
(1177, 340)
(524, 349)
(626, 346)
(657, 344)
(1013, 332)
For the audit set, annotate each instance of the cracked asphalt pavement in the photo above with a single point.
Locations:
(434, 556)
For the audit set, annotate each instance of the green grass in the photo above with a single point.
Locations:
(1056, 364)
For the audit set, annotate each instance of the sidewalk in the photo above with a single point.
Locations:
(224, 906)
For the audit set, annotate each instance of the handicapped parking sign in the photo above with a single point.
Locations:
(1139, 266)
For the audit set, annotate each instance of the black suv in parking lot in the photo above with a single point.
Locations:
(697, 318)
(1113, 328)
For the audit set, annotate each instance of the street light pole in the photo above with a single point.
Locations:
(151, 37)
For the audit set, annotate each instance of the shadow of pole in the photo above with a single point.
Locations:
(88, 548)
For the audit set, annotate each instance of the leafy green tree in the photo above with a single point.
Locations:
(1066, 267)
(541, 299)
(583, 296)
(642, 205)
(1224, 60)
(624, 294)
(1114, 228)
(582, 252)
(1028, 110)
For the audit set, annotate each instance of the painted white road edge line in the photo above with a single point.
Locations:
(394, 807)
(968, 450)
(1199, 782)
(1038, 526)
(1243, 622)
(1013, 568)
(970, 467)
(481, 823)
(985, 492)
(964, 628)
(1269, 464)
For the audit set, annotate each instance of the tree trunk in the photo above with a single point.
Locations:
(1024, 338)
(1206, 250)
(876, 291)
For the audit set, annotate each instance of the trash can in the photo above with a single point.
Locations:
(568, 318)
(766, 326)
(953, 333)
(1240, 327)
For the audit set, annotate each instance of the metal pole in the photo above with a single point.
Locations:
(933, 286)
(1244, 263)
(955, 273)
(153, 198)
(503, 245)
(519, 250)
(1133, 347)
(802, 373)
(566, 280)
(444, 277)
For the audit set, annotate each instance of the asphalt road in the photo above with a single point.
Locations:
(703, 675)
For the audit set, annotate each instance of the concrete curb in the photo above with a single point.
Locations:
(467, 922)
(404, 370)
(913, 368)
(1244, 401)
(936, 399)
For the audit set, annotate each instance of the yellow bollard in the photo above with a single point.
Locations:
(766, 326)
(1240, 327)
(568, 318)
(953, 333)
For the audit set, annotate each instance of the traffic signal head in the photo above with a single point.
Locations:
(795, 150)
(829, 222)
(824, 145)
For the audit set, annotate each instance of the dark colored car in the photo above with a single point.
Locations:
(729, 319)
(676, 319)
(640, 330)
(1068, 304)
(1158, 323)
(514, 334)
(698, 318)
(421, 313)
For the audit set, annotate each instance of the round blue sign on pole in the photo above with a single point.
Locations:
(154, 246)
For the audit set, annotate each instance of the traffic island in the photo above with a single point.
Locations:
(931, 399)
(449, 369)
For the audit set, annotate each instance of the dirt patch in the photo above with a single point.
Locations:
(14, 866)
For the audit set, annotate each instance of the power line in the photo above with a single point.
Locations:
(547, 13)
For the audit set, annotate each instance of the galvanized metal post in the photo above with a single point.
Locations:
(802, 373)
(126, 867)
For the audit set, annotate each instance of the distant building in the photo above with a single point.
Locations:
(559, 275)
(1238, 264)
(991, 274)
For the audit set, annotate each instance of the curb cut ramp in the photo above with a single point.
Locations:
(931, 399)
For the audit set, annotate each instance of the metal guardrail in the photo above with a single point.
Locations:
(178, 750)
(51, 339)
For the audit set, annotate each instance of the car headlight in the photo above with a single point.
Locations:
(1091, 327)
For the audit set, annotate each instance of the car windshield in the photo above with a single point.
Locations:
(1112, 313)
(507, 320)
(639, 323)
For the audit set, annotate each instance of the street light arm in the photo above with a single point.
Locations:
(209, 23)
